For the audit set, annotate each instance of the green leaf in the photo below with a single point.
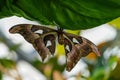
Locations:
(4, 11)
(111, 61)
(99, 74)
(115, 23)
(0, 75)
(114, 75)
(68, 14)
(7, 63)
(14, 47)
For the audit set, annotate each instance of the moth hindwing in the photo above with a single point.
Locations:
(44, 41)
(77, 47)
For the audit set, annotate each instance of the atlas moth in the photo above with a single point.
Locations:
(39, 36)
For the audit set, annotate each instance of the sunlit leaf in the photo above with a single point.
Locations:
(60, 50)
(77, 32)
(115, 23)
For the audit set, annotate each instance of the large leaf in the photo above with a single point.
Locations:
(4, 10)
(69, 14)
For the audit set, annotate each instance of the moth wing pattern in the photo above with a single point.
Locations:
(71, 54)
(48, 36)
(41, 49)
(78, 47)
(44, 41)
(37, 38)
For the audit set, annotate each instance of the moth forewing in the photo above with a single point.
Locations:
(15, 29)
(84, 49)
(43, 28)
(25, 31)
(28, 32)
(74, 38)
(91, 45)
(84, 41)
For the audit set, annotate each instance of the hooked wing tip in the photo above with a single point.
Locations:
(15, 29)
(11, 30)
(99, 53)
(96, 50)
(18, 27)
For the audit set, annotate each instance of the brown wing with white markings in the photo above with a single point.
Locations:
(42, 38)
(77, 47)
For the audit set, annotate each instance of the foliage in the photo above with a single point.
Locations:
(68, 14)
(115, 23)
(0, 75)
(7, 63)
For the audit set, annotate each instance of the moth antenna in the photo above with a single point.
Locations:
(59, 28)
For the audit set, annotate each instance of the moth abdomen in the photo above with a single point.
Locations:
(60, 39)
